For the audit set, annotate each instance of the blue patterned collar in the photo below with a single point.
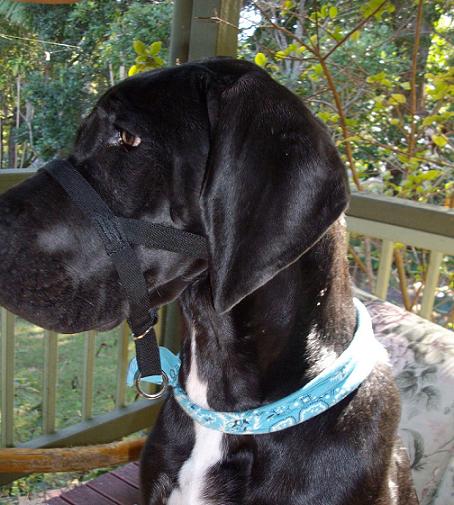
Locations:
(327, 389)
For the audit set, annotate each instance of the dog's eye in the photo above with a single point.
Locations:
(128, 139)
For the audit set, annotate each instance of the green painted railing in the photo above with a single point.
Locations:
(394, 220)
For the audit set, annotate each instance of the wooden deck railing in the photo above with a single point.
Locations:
(389, 219)
(414, 224)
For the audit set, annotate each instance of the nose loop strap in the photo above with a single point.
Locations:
(117, 235)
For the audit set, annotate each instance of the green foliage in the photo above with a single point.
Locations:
(261, 60)
(59, 83)
(59, 104)
(147, 57)
(352, 61)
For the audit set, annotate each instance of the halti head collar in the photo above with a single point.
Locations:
(118, 235)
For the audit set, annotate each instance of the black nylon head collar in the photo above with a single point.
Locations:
(117, 235)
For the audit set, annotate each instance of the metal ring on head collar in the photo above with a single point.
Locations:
(150, 396)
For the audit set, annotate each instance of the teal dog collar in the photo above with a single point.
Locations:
(327, 389)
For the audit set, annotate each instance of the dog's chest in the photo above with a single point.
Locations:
(192, 479)
(207, 450)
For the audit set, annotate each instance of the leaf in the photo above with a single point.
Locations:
(430, 175)
(380, 78)
(133, 70)
(280, 55)
(318, 69)
(139, 47)
(337, 35)
(397, 98)
(158, 62)
(260, 59)
(155, 47)
(332, 12)
(431, 119)
(394, 121)
(355, 35)
(439, 140)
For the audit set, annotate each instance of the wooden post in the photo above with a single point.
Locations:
(203, 28)
(384, 269)
(50, 381)
(89, 375)
(181, 31)
(430, 286)
(122, 364)
(173, 327)
(214, 28)
(7, 375)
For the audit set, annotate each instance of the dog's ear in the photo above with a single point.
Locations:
(274, 185)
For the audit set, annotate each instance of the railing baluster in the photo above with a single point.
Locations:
(160, 326)
(122, 364)
(50, 381)
(89, 371)
(430, 286)
(172, 327)
(384, 269)
(7, 375)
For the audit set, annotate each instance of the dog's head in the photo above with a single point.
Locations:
(216, 148)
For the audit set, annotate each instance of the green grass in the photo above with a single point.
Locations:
(28, 407)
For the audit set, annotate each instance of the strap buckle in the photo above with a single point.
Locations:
(150, 396)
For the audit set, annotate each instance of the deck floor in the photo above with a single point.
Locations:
(120, 487)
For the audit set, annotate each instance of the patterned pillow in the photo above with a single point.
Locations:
(422, 355)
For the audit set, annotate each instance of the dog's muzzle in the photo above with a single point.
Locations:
(118, 235)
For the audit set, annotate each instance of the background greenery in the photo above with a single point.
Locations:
(56, 61)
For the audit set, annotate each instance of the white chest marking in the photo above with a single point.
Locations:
(207, 450)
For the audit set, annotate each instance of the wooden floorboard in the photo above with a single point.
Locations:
(57, 501)
(83, 494)
(129, 474)
(115, 489)
(120, 487)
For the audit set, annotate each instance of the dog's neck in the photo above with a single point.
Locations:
(277, 338)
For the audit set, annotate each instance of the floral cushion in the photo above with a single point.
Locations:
(422, 355)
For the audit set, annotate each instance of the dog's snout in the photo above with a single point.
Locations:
(51, 271)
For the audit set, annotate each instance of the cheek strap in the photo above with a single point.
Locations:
(117, 234)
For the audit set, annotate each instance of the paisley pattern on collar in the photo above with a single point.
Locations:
(327, 389)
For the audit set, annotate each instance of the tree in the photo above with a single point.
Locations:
(65, 57)
(387, 97)
(379, 73)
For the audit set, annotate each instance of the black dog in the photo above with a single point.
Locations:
(219, 149)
